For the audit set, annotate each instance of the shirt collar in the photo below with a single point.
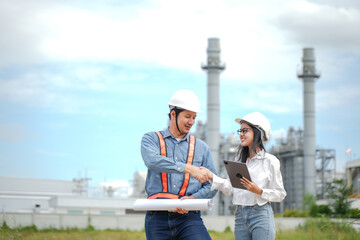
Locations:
(168, 134)
(260, 155)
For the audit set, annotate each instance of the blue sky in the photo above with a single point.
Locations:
(82, 81)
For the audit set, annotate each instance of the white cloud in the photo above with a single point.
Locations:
(38, 89)
(14, 133)
(253, 50)
(265, 98)
(64, 87)
(343, 96)
(165, 33)
(51, 153)
(116, 184)
(321, 25)
(329, 127)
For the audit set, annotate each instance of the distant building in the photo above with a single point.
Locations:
(26, 195)
(353, 175)
(139, 185)
(290, 152)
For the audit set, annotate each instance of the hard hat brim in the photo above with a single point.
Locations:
(240, 120)
(171, 107)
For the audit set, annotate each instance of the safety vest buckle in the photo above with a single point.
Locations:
(165, 195)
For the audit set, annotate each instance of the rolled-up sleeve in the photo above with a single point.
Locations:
(224, 185)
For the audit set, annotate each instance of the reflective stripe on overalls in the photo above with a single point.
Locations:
(164, 176)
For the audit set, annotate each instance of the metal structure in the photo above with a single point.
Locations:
(213, 68)
(325, 170)
(228, 148)
(290, 152)
(82, 186)
(308, 76)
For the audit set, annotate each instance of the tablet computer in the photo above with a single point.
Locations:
(236, 170)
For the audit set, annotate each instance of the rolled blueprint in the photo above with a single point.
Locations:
(172, 204)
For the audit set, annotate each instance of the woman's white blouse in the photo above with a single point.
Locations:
(264, 170)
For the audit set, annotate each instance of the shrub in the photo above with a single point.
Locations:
(339, 196)
(324, 210)
(323, 224)
(31, 228)
(314, 210)
(5, 226)
(90, 228)
(353, 213)
(309, 205)
(293, 213)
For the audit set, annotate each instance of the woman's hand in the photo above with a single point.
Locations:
(251, 186)
(207, 174)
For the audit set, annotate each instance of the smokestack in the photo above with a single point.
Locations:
(308, 76)
(213, 68)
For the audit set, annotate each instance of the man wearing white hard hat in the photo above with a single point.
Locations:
(173, 158)
(254, 217)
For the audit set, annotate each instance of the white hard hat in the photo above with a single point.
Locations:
(185, 99)
(258, 120)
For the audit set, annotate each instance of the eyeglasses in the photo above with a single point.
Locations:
(243, 131)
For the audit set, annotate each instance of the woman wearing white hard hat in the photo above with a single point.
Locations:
(254, 217)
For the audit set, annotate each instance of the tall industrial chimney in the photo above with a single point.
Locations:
(213, 68)
(308, 76)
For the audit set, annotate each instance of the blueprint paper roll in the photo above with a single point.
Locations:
(172, 204)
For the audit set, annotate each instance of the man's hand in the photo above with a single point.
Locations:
(199, 174)
(183, 210)
(209, 175)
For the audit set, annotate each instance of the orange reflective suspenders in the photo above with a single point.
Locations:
(190, 158)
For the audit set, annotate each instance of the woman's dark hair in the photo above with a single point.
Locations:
(244, 152)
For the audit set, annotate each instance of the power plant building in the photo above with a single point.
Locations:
(290, 153)
(305, 168)
(353, 176)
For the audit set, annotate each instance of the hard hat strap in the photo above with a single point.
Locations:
(177, 112)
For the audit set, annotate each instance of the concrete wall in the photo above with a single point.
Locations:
(32, 185)
(16, 203)
(65, 205)
(133, 222)
(62, 221)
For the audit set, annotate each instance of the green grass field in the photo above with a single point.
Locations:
(129, 235)
(312, 229)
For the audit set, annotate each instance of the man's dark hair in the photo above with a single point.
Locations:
(177, 112)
